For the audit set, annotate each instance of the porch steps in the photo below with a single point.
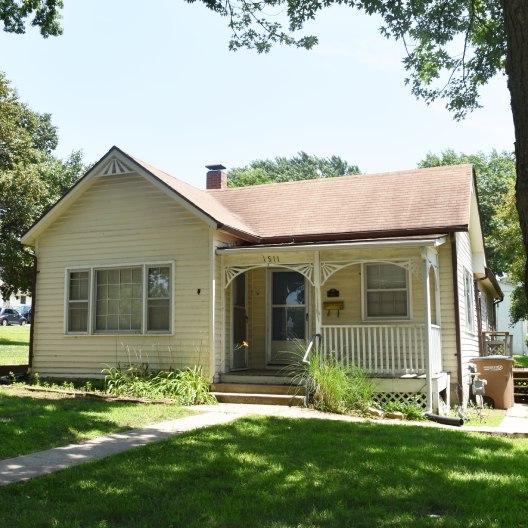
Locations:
(258, 379)
(520, 385)
(260, 394)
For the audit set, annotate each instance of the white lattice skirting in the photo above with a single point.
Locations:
(382, 398)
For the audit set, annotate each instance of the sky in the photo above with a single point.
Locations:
(157, 79)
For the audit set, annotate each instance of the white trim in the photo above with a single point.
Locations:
(382, 242)
(469, 326)
(91, 269)
(364, 316)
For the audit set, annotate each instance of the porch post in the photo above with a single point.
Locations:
(317, 288)
(223, 305)
(427, 321)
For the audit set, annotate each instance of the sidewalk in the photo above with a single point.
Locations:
(43, 462)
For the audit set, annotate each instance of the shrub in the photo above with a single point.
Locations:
(336, 387)
(187, 386)
(411, 411)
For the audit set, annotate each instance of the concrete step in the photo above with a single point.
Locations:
(259, 379)
(259, 399)
(253, 388)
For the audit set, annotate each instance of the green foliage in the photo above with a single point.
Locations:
(45, 13)
(300, 167)
(507, 236)
(520, 361)
(411, 411)
(495, 173)
(336, 387)
(31, 180)
(187, 387)
(451, 48)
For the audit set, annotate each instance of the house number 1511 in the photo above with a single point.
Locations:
(271, 259)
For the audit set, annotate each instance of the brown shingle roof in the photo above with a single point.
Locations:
(419, 201)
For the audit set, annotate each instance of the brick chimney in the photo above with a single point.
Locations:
(216, 177)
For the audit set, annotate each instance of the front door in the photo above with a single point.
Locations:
(288, 317)
(240, 345)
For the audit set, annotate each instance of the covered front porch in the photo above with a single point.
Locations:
(374, 304)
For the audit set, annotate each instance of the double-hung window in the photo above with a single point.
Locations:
(120, 300)
(78, 301)
(386, 291)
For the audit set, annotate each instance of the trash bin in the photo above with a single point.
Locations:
(498, 372)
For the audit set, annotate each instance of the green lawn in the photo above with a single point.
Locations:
(14, 345)
(284, 473)
(520, 361)
(32, 421)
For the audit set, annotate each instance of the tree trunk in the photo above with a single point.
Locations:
(516, 26)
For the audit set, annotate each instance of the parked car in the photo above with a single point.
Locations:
(25, 311)
(9, 316)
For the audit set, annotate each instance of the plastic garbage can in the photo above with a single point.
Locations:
(498, 372)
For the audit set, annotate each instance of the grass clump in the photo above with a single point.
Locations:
(335, 387)
(188, 386)
(411, 411)
(520, 361)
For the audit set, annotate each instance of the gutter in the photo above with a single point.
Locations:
(340, 245)
(456, 300)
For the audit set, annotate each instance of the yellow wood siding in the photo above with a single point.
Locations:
(468, 335)
(122, 220)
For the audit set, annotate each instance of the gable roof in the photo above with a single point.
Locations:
(420, 201)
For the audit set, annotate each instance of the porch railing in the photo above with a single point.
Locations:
(497, 343)
(383, 349)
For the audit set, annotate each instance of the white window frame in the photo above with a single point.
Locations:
(92, 298)
(469, 306)
(67, 299)
(408, 289)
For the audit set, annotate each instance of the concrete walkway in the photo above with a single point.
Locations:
(41, 463)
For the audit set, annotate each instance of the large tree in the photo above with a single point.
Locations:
(303, 166)
(31, 180)
(495, 174)
(451, 49)
(44, 14)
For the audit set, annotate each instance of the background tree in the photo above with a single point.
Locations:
(31, 180)
(44, 14)
(300, 167)
(495, 176)
(452, 48)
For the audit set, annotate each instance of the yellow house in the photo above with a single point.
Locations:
(388, 269)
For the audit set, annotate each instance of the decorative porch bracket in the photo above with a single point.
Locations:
(306, 269)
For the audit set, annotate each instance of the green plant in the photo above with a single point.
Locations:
(336, 387)
(411, 410)
(188, 386)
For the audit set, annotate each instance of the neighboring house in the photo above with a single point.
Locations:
(519, 330)
(15, 300)
(136, 264)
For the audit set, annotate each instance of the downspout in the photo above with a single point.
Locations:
(456, 301)
(478, 304)
(33, 313)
